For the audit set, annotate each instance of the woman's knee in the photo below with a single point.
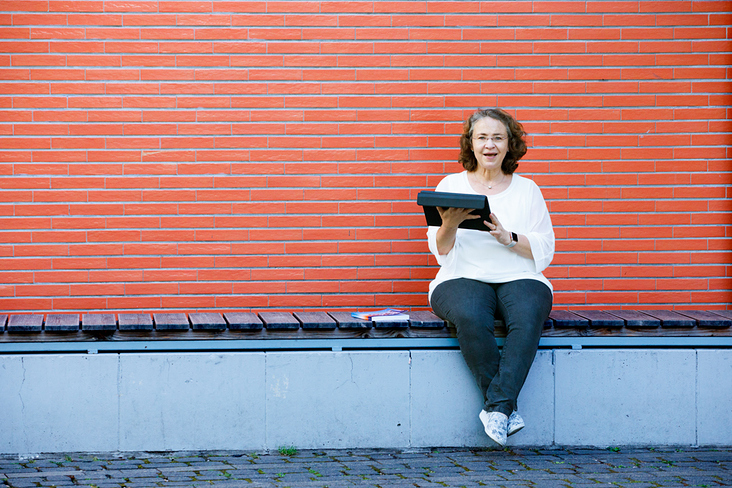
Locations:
(525, 300)
(465, 302)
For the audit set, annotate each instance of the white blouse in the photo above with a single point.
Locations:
(478, 255)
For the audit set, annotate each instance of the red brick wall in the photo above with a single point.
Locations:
(267, 154)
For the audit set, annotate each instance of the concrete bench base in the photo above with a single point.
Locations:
(402, 399)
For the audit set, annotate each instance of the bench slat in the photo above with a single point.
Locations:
(3, 319)
(315, 320)
(563, 318)
(171, 321)
(62, 322)
(636, 319)
(279, 320)
(707, 319)
(98, 322)
(599, 319)
(425, 319)
(25, 323)
(727, 314)
(207, 321)
(386, 323)
(243, 321)
(346, 321)
(135, 321)
(671, 319)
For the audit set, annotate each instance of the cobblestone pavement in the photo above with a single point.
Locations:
(636, 468)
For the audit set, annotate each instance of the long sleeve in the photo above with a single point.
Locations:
(541, 233)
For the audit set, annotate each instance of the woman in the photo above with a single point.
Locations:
(485, 273)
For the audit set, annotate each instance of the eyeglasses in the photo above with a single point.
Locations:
(483, 140)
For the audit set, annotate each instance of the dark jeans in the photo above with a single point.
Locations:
(472, 306)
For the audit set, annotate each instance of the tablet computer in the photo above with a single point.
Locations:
(430, 200)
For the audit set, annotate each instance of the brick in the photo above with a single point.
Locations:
(145, 248)
(132, 262)
(626, 89)
(95, 249)
(170, 275)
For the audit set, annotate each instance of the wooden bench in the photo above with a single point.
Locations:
(338, 330)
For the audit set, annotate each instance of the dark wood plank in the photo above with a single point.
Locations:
(135, 321)
(636, 319)
(671, 319)
(3, 320)
(724, 313)
(707, 319)
(563, 318)
(388, 323)
(346, 321)
(62, 322)
(243, 321)
(599, 319)
(171, 321)
(424, 319)
(279, 320)
(25, 323)
(98, 322)
(315, 320)
(207, 321)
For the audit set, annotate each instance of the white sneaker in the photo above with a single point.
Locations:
(515, 423)
(495, 425)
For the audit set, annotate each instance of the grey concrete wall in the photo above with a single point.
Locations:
(419, 398)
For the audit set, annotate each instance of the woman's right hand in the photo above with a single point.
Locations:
(453, 217)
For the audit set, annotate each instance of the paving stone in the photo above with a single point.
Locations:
(555, 484)
(91, 466)
(232, 484)
(136, 473)
(23, 483)
(214, 475)
(91, 475)
(239, 472)
(176, 477)
(370, 468)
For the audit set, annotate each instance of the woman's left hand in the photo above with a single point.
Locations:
(496, 230)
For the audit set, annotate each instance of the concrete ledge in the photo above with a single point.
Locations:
(402, 399)
(446, 402)
(714, 396)
(58, 403)
(193, 401)
(627, 397)
(337, 400)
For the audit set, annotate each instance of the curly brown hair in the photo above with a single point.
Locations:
(516, 143)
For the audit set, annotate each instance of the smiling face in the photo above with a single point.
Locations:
(490, 144)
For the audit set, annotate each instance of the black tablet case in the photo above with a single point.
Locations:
(430, 200)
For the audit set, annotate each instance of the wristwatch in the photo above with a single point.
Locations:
(514, 240)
